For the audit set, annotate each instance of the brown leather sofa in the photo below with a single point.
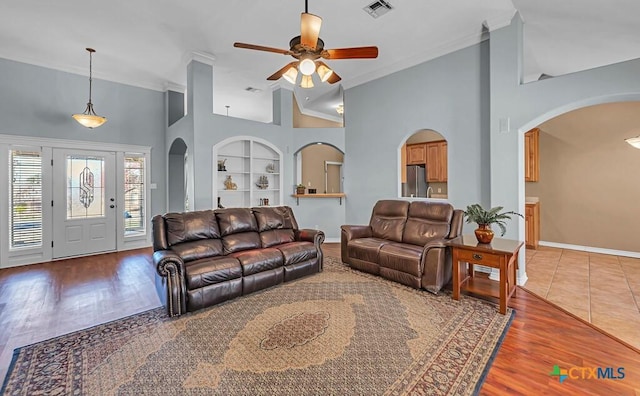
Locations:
(405, 242)
(205, 257)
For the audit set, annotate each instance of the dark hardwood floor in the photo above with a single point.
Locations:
(41, 301)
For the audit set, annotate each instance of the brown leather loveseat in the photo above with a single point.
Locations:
(205, 257)
(405, 242)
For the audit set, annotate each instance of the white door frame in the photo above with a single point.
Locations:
(12, 258)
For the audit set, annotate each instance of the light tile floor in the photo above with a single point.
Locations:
(601, 289)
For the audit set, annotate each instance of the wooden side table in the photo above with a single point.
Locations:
(500, 253)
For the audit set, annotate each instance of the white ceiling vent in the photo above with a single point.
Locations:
(378, 8)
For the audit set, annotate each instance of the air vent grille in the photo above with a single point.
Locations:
(252, 89)
(378, 8)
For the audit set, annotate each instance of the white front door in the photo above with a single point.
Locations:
(84, 202)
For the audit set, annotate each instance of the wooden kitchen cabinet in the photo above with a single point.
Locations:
(437, 161)
(416, 154)
(531, 155)
(532, 224)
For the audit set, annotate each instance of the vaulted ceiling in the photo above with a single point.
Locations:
(148, 43)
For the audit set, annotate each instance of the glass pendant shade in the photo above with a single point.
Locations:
(307, 67)
(291, 75)
(89, 118)
(307, 82)
(635, 141)
(324, 72)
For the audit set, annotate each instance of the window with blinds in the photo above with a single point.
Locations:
(134, 195)
(25, 199)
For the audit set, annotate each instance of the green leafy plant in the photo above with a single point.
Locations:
(301, 186)
(477, 214)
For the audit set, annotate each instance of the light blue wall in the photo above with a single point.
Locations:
(210, 129)
(528, 105)
(38, 102)
(450, 95)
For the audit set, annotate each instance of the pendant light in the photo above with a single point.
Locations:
(89, 118)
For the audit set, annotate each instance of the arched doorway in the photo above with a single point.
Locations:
(424, 166)
(178, 198)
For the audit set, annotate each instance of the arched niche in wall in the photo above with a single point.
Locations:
(424, 165)
(319, 167)
(247, 172)
(178, 198)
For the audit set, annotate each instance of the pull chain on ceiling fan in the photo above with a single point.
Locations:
(308, 48)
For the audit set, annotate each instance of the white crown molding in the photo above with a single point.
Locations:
(499, 21)
(169, 86)
(279, 84)
(319, 114)
(137, 81)
(447, 48)
(590, 249)
(31, 141)
(202, 57)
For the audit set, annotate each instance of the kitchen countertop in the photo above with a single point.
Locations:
(531, 200)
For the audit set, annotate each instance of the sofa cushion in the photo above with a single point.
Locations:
(427, 220)
(191, 226)
(365, 249)
(236, 220)
(388, 219)
(297, 252)
(196, 250)
(206, 272)
(275, 225)
(242, 241)
(402, 257)
(258, 260)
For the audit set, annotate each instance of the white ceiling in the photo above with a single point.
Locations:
(148, 43)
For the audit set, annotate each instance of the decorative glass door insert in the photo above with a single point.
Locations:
(85, 187)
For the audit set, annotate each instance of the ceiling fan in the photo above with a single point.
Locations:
(308, 48)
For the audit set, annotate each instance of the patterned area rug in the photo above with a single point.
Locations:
(340, 332)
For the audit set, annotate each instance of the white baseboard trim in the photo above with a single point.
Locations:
(590, 249)
(332, 240)
(495, 276)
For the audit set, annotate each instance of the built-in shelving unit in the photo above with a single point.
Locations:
(253, 166)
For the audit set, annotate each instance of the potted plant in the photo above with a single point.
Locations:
(484, 218)
(300, 188)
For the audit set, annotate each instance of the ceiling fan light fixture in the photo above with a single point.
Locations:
(89, 118)
(634, 141)
(307, 66)
(291, 75)
(307, 82)
(340, 109)
(324, 72)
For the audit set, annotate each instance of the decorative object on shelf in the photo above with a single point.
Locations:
(312, 191)
(89, 118)
(219, 204)
(221, 165)
(264, 201)
(484, 218)
(229, 184)
(271, 168)
(300, 188)
(263, 182)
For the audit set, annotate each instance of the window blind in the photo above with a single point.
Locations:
(25, 199)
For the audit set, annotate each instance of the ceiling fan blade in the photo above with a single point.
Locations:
(262, 48)
(309, 29)
(351, 53)
(280, 72)
(334, 78)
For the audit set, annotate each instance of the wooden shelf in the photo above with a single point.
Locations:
(482, 286)
(332, 195)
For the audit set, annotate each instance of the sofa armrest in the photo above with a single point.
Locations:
(348, 233)
(436, 265)
(170, 281)
(315, 236)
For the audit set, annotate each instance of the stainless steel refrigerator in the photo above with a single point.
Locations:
(416, 181)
